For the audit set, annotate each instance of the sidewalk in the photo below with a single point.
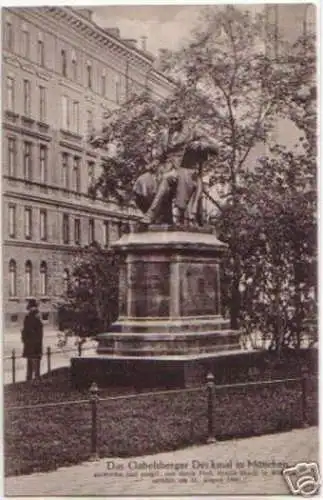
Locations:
(60, 356)
(231, 467)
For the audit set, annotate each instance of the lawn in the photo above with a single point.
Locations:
(42, 439)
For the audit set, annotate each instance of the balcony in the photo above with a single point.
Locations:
(11, 116)
(43, 128)
(71, 136)
(27, 121)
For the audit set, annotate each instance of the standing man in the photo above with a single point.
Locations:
(32, 338)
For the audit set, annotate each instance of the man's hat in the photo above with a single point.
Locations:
(32, 303)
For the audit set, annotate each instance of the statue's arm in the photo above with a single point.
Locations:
(205, 141)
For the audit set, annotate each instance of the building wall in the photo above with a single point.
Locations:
(55, 123)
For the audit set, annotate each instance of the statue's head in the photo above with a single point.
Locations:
(176, 119)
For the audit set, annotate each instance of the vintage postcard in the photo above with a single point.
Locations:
(160, 291)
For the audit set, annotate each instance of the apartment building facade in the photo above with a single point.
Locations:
(61, 74)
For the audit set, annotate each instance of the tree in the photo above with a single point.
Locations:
(232, 81)
(276, 223)
(91, 302)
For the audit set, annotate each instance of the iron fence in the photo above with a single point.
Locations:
(212, 391)
(49, 353)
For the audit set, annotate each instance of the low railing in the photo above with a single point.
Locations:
(49, 353)
(211, 387)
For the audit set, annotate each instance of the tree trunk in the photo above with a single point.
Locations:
(235, 302)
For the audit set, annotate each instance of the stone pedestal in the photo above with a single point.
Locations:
(170, 325)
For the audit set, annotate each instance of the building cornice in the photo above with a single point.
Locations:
(98, 34)
(25, 131)
(119, 50)
(65, 205)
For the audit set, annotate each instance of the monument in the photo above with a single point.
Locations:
(170, 330)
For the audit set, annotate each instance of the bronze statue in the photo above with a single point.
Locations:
(174, 176)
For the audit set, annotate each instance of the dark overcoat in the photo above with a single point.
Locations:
(32, 336)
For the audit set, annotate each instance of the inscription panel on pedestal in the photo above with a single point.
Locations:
(199, 294)
(150, 289)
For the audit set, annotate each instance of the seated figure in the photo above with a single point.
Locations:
(177, 179)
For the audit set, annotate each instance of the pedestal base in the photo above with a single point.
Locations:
(170, 331)
(160, 371)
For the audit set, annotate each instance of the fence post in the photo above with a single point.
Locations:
(13, 359)
(79, 348)
(304, 393)
(48, 359)
(94, 391)
(210, 399)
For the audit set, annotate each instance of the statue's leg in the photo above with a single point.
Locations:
(157, 210)
(195, 206)
(186, 185)
(144, 191)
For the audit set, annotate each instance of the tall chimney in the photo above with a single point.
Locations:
(143, 43)
(113, 31)
(130, 41)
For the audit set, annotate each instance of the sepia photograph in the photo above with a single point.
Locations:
(160, 250)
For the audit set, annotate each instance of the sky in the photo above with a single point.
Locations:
(168, 26)
(165, 26)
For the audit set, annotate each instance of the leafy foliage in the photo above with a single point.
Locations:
(91, 302)
(232, 80)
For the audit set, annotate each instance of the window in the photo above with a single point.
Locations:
(26, 44)
(91, 231)
(28, 278)
(77, 231)
(309, 21)
(12, 221)
(89, 121)
(65, 170)
(43, 225)
(43, 163)
(66, 280)
(76, 116)
(26, 97)
(119, 227)
(10, 93)
(103, 85)
(65, 113)
(74, 66)
(43, 278)
(8, 36)
(76, 174)
(42, 104)
(63, 63)
(27, 161)
(12, 156)
(41, 53)
(66, 229)
(90, 169)
(118, 90)
(89, 75)
(28, 223)
(12, 278)
(106, 233)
